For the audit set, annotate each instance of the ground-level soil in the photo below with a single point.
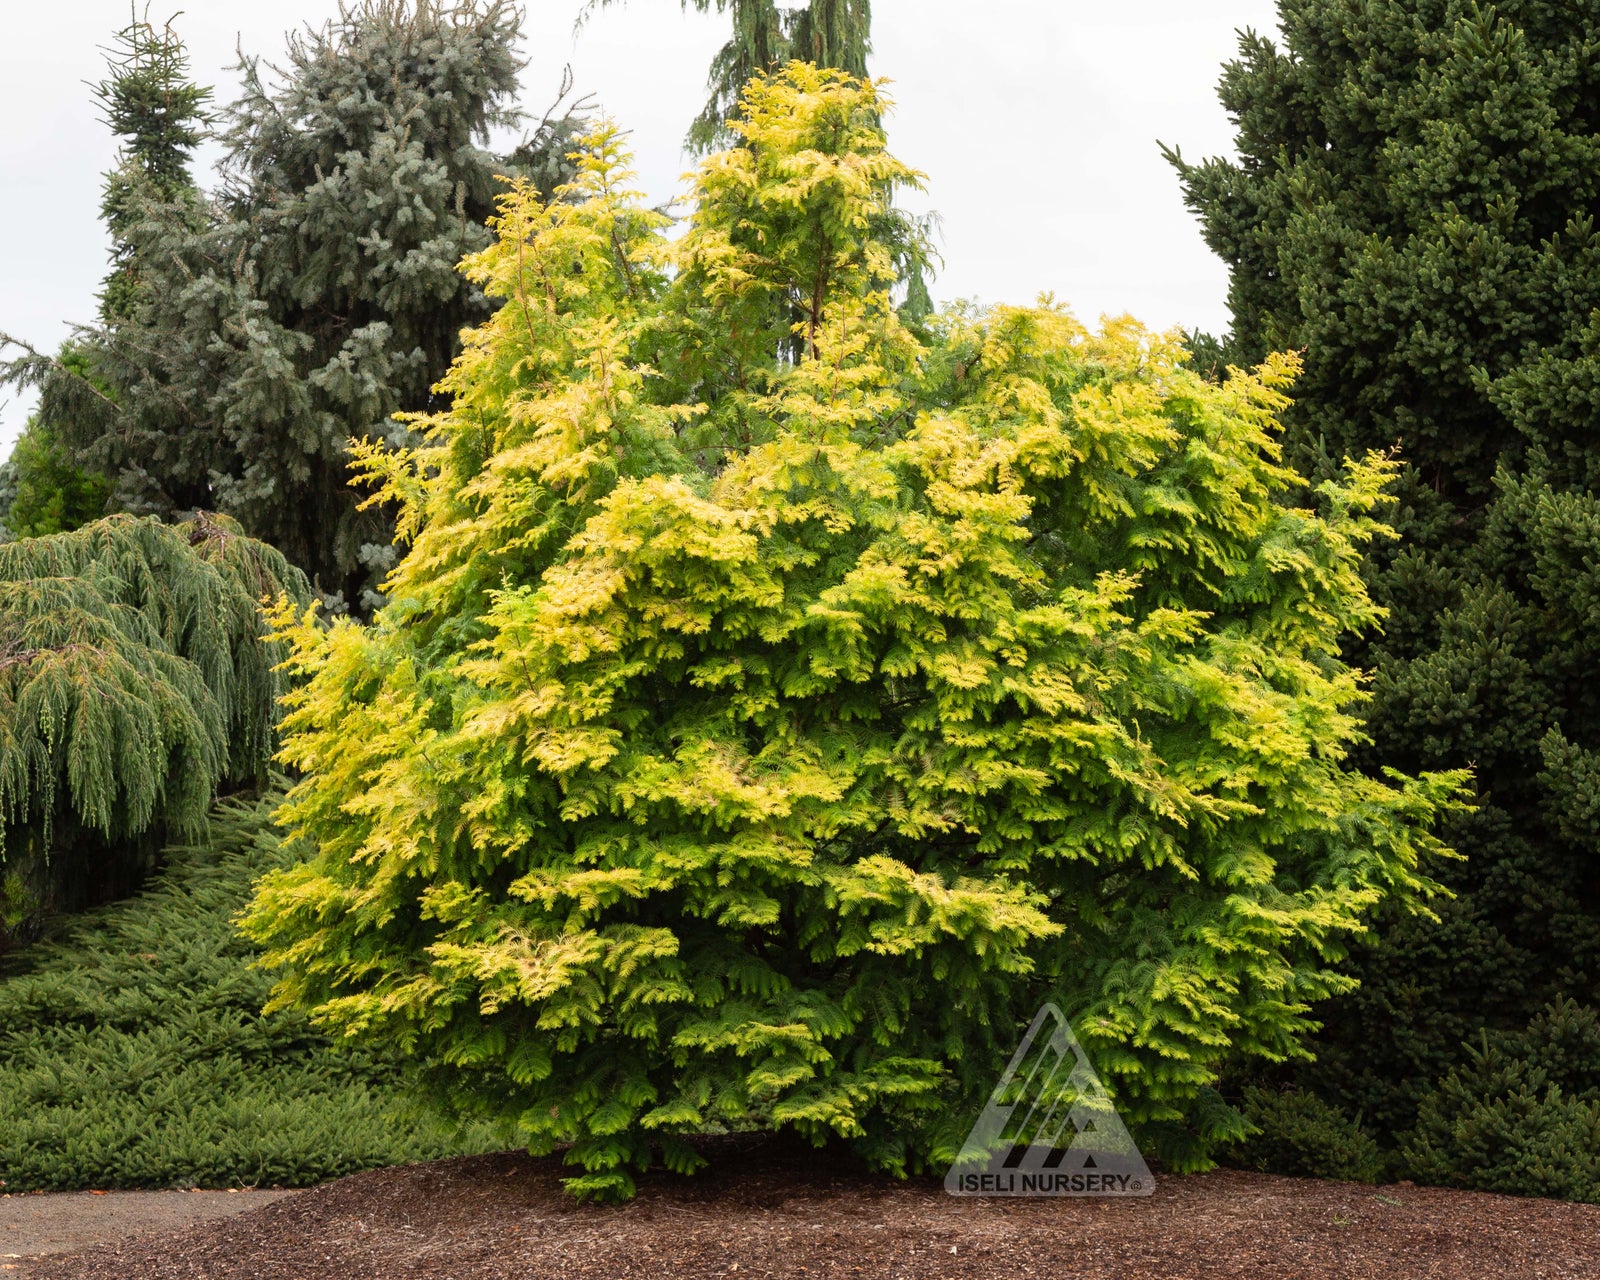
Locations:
(33, 1225)
(766, 1211)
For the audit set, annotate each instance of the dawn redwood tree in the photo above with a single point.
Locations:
(765, 36)
(1413, 206)
(767, 717)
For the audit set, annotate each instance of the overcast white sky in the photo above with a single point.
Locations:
(1036, 122)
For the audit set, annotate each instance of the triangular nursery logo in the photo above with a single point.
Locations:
(1049, 1128)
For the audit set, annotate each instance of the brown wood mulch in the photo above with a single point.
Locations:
(767, 1211)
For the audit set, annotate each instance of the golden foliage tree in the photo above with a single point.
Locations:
(775, 706)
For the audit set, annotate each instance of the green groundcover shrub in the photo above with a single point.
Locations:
(1520, 1115)
(133, 1051)
(1298, 1133)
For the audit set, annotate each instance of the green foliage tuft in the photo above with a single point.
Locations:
(1297, 1133)
(774, 708)
(43, 490)
(133, 1052)
(1521, 1114)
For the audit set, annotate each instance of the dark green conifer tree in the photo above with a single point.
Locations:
(1413, 206)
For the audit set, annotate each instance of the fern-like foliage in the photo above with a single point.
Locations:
(777, 704)
(135, 682)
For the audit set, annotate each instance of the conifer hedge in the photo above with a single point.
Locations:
(777, 702)
(1413, 204)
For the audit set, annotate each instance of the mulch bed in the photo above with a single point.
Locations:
(764, 1210)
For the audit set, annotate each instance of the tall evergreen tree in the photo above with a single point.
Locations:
(148, 101)
(1413, 205)
(150, 104)
(764, 37)
(314, 297)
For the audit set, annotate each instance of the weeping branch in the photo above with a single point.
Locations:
(136, 680)
(835, 34)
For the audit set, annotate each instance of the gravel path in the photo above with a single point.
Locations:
(769, 1212)
(38, 1224)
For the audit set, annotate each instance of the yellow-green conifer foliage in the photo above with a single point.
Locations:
(774, 706)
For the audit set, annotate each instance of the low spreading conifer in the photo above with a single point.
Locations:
(133, 1052)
